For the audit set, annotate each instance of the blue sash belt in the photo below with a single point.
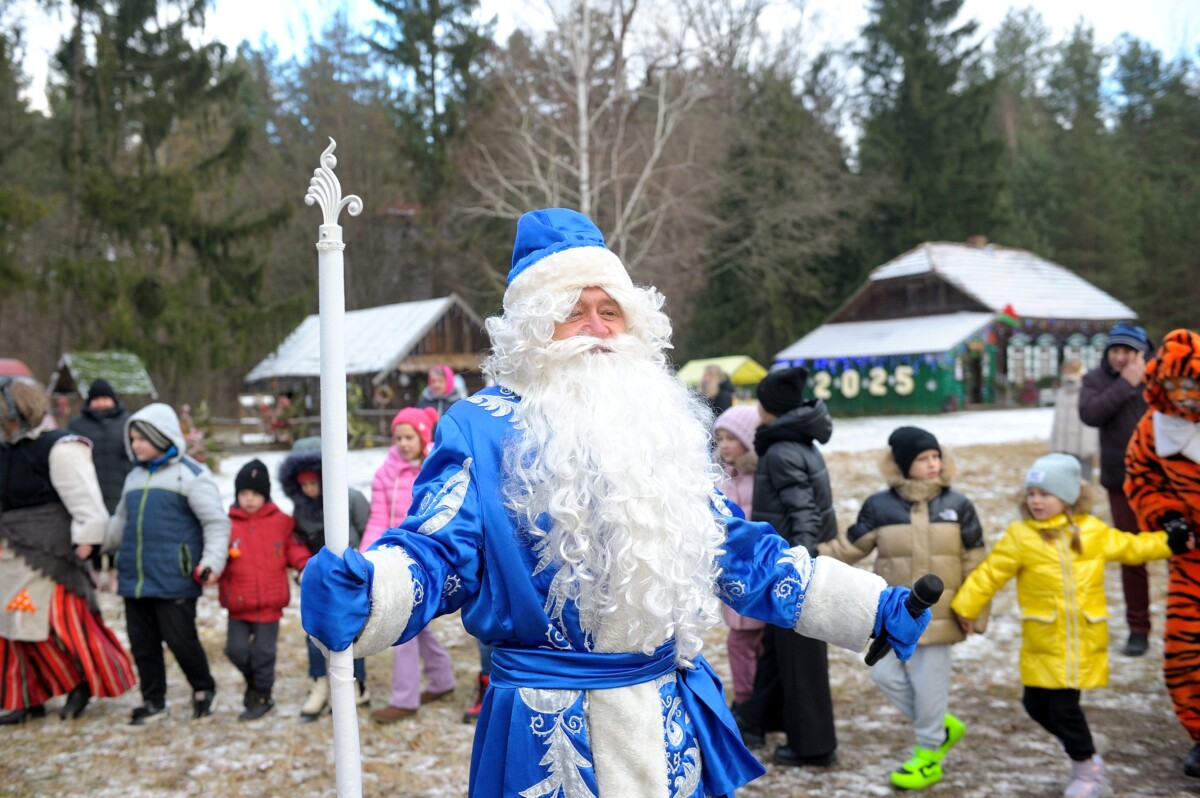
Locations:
(726, 763)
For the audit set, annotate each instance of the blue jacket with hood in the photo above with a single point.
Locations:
(170, 518)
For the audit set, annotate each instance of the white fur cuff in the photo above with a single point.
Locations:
(392, 599)
(841, 604)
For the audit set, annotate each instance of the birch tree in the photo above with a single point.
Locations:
(589, 117)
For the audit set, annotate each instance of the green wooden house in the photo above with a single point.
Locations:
(948, 325)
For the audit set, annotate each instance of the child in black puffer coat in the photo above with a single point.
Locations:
(300, 475)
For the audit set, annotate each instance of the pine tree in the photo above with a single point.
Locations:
(435, 49)
(1086, 186)
(928, 127)
(786, 206)
(155, 252)
(19, 205)
(1158, 134)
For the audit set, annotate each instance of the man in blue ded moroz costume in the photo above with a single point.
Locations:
(570, 513)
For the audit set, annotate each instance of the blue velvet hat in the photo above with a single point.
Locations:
(558, 249)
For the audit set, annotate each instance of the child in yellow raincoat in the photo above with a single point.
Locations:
(1057, 552)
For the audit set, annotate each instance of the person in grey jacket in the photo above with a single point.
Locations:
(171, 534)
(792, 493)
(1111, 399)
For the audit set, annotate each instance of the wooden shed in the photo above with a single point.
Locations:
(389, 349)
(124, 371)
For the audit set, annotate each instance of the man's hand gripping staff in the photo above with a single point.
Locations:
(336, 594)
(903, 617)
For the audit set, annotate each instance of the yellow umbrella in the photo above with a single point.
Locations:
(742, 370)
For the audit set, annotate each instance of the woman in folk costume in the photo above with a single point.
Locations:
(1162, 481)
(52, 638)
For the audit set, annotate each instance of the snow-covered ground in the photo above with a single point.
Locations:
(1004, 754)
(849, 435)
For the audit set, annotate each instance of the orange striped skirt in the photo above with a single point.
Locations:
(80, 648)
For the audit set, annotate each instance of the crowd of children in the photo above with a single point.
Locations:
(171, 537)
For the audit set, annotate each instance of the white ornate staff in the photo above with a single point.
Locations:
(326, 189)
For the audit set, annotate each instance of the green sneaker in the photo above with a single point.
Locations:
(919, 772)
(955, 731)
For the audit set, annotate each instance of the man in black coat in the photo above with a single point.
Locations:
(792, 493)
(103, 423)
(1111, 399)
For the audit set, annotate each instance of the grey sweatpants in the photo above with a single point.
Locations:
(918, 689)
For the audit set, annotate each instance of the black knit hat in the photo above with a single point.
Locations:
(908, 442)
(253, 476)
(100, 387)
(782, 390)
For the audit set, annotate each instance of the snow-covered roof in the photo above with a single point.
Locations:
(376, 339)
(999, 276)
(124, 371)
(916, 336)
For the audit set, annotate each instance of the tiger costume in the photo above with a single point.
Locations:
(1162, 477)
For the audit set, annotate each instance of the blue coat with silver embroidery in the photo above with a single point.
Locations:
(470, 555)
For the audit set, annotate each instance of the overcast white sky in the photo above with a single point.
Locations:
(1173, 26)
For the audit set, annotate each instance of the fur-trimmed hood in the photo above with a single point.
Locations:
(917, 489)
(162, 418)
(305, 456)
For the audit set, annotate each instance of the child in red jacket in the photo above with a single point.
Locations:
(254, 587)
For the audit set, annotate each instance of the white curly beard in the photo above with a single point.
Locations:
(615, 463)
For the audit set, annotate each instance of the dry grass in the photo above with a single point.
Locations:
(1004, 754)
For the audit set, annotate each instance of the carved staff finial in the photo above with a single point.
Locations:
(326, 189)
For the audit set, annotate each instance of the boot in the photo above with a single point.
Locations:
(202, 701)
(1191, 765)
(77, 701)
(1087, 779)
(924, 769)
(19, 716)
(257, 705)
(955, 731)
(317, 701)
(391, 714)
(428, 696)
(472, 712)
(364, 695)
(1137, 644)
(148, 713)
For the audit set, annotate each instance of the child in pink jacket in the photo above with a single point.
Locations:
(391, 495)
(734, 432)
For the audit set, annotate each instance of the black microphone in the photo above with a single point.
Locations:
(924, 594)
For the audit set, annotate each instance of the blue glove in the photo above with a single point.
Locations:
(335, 597)
(895, 619)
